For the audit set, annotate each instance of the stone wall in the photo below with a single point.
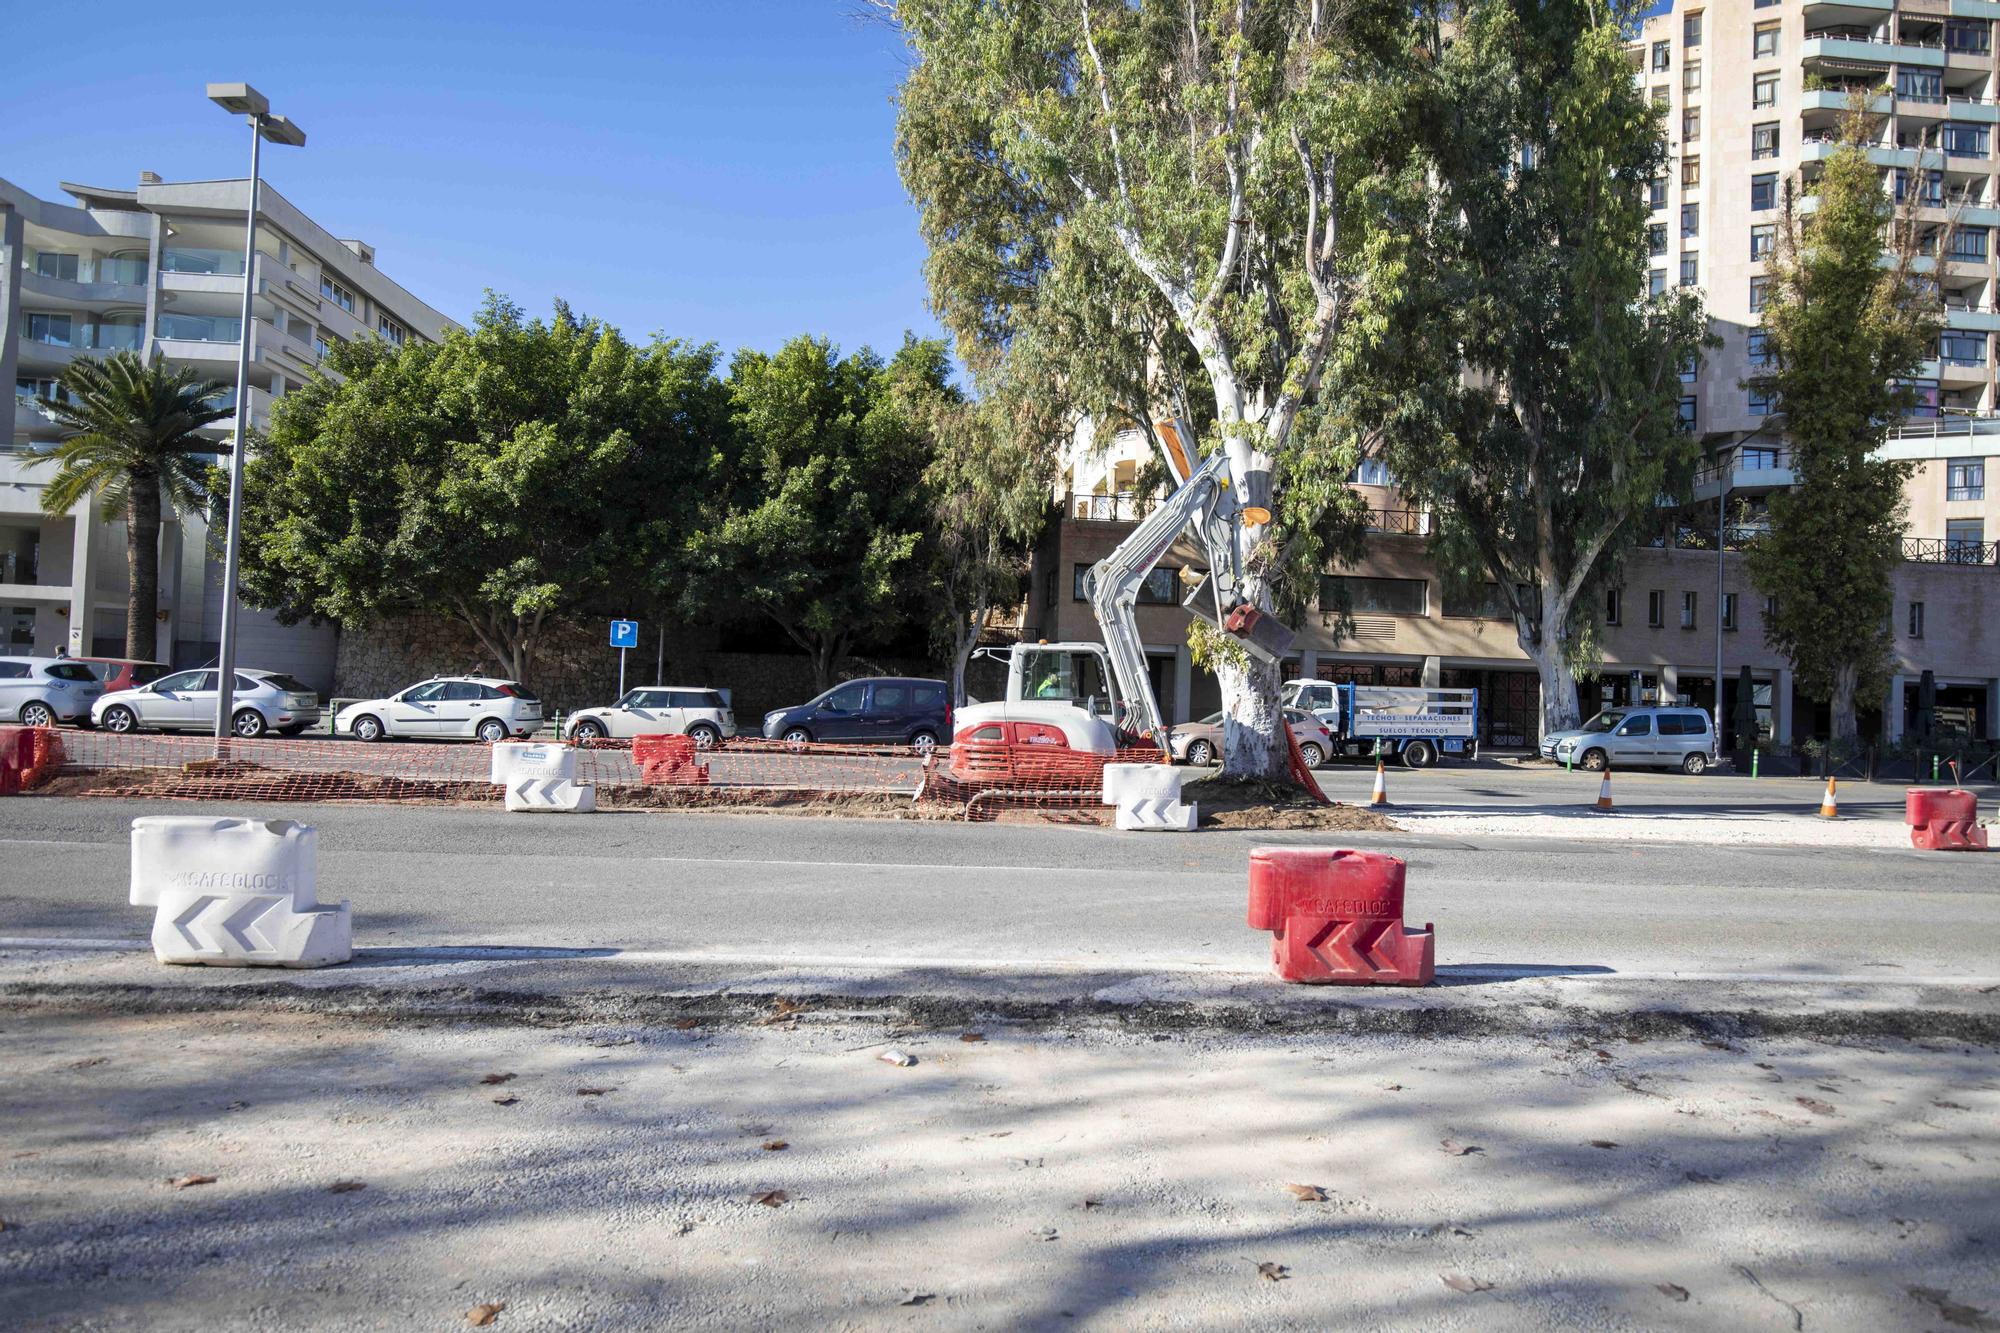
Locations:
(575, 669)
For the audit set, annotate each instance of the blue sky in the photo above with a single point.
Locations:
(714, 171)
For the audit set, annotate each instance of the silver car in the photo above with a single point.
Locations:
(655, 710)
(1637, 738)
(185, 701)
(42, 691)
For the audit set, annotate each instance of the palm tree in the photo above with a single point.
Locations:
(133, 445)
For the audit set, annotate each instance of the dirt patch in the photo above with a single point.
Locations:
(210, 780)
(1251, 803)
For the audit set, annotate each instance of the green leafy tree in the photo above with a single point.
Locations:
(1844, 331)
(819, 505)
(513, 474)
(1528, 387)
(1195, 182)
(135, 445)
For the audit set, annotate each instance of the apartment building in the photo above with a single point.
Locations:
(159, 269)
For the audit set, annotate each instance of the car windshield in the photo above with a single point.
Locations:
(1212, 720)
(145, 673)
(520, 691)
(1604, 721)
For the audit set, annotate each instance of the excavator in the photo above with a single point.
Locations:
(1093, 699)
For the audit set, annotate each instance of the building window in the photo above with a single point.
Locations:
(1956, 347)
(1157, 590)
(1763, 140)
(1967, 244)
(1486, 602)
(390, 330)
(1931, 187)
(1763, 91)
(1770, 609)
(1689, 368)
(1656, 238)
(1764, 42)
(1916, 620)
(1961, 139)
(1656, 282)
(49, 264)
(1690, 219)
(1760, 400)
(1965, 479)
(1372, 472)
(1685, 414)
(1385, 597)
(1760, 348)
(1763, 236)
(1691, 77)
(1614, 606)
(1689, 601)
(1760, 292)
(1756, 458)
(1691, 124)
(1690, 268)
(1690, 172)
(1656, 193)
(1764, 192)
(1691, 29)
(334, 292)
(1924, 398)
(1974, 36)
(1729, 610)
(1767, 4)
(1662, 56)
(55, 330)
(1656, 608)
(1920, 85)
(1661, 94)
(1965, 541)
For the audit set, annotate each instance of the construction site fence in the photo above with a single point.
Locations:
(970, 781)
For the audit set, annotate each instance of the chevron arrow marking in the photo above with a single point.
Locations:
(1346, 946)
(1156, 811)
(538, 791)
(242, 926)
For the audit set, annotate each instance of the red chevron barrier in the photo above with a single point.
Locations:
(1943, 819)
(668, 761)
(28, 757)
(1336, 917)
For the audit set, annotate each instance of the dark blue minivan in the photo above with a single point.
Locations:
(883, 710)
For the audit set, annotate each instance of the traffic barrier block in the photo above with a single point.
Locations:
(1943, 819)
(514, 760)
(552, 795)
(1148, 797)
(1337, 917)
(28, 756)
(668, 761)
(232, 892)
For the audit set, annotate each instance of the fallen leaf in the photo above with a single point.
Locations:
(920, 1298)
(1950, 1106)
(496, 1079)
(183, 1182)
(1457, 1149)
(782, 1010)
(1274, 1272)
(1392, 1087)
(593, 1092)
(1602, 1055)
(687, 1023)
(1602, 1143)
(1307, 1193)
(1092, 1203)
(1045, 1233)
(1673, 1291)
(774, 1145)
(1815, 1105)
(1953, 1313)
(346, 1186)
(93, 1060)
(479, 1316)
(972, 1036)
(772, 1198)
(505, 1101)
(1460, 1282)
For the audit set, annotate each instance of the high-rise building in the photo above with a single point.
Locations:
(159, 270)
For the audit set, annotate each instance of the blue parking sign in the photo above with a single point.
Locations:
(624, 634)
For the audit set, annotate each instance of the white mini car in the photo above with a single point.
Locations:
(446, 708)
(185, 701)
(656, 710)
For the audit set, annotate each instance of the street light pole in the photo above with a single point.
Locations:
(241, 99)
(1721, 546)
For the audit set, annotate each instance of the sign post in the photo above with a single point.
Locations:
(624, 635)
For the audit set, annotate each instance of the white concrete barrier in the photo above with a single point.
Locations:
(1148, 797)
(232, 892)
(514, 760)
(556, 795)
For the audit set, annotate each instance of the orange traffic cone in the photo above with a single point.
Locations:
(1829, 806)
(1604, 790)
(1381, 796)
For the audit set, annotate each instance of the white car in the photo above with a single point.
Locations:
(185, 701)
(446, 708)
(42, 691)
(655, 710)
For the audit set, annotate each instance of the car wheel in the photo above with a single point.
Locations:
(120, 719)
(1420, 754)
(37, 715)
(1312, 754)
(1201, 754)
(249, 724)
(1596, 760)
(492, 731)
(704, 736)
(367, 727)
(923, 743)
(1695, 765)
(590, 729)
(798, 736)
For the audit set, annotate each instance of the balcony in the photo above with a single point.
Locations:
(1115, 507)
(1950, 551)
(1400, 522)
(1745, 470)
(1837, 44)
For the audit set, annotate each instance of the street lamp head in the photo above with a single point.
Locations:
(278, 129)
(239, 98)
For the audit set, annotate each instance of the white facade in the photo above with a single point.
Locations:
(159, 270)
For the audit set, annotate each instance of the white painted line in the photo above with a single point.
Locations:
(54, 943)
(56, 842)
(1127, 872)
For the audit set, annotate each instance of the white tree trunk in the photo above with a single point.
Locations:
(1547, 651)
(1252, 744)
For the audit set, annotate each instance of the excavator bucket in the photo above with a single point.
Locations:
(1259, 631)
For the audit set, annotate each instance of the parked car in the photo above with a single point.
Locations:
(123, 673)
(185, 701)
(446, 708)
(1200, 743)
(655, 710)
(42, 691)
(1637, 738)
(887, 710)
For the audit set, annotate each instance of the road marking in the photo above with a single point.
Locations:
(934, 866)
(54, 842)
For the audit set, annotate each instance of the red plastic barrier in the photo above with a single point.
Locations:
(668, 761)
(28, 757)
(1337, 917)
(1943, 819)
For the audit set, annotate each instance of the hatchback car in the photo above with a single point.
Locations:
(42, 691)
(656, 710)
(887, 710)
(446, 708)
(124, 673)
(1637, 738)
(1200, 743)
(185, 701)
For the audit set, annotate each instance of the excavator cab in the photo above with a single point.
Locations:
(1063, 673)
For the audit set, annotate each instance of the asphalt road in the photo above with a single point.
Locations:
(864, 893)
